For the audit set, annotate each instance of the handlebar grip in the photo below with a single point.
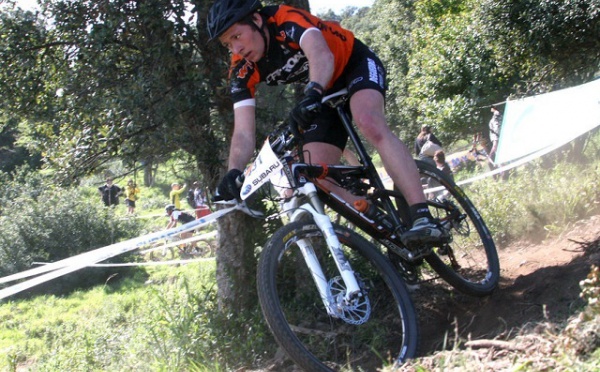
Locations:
(239, 181)
(216, 197)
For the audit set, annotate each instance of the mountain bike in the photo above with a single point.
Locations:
(357, 307)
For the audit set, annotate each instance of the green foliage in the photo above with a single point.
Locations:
(543, 45)
(110, 79)
(125, 326)
(448, 60)
(189, 330)
(534, 201)
(46, 224)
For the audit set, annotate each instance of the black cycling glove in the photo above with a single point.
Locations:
(229, 187)
(307, 110)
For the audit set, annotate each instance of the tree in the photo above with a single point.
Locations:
(110, 79)
(121, 79)
(545, 45)
(448, 60)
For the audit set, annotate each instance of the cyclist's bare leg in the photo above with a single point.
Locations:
(367, 108)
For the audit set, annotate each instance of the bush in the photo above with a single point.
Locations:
(47, 225)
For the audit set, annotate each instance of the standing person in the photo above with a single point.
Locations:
(198, 194)
(190, 197)
(282, 45)
(494, 126)
(131, 195)
(175, 194)
(426, 135)
(200, 200)
(109, 193)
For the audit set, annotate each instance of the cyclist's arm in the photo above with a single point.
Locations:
(319, 55)
(242, 141)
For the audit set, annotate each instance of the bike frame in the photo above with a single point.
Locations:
(305, 201)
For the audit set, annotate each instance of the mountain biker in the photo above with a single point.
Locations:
(281, 45)
(177, 215)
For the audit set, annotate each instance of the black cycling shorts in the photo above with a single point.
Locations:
(363, 71)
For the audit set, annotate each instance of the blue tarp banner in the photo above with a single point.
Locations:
(548, 120)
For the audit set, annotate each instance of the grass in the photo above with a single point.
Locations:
(170, 324)
(535, 202)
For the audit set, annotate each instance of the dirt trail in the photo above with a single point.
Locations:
(539, 282)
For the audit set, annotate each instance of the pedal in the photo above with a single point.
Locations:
(411, 254)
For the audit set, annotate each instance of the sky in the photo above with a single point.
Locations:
(317, 6)
(321, 6)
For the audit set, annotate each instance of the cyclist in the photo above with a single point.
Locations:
(281, 45)
(175, 216)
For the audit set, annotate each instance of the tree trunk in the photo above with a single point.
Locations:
(148, 173)
(236, 262)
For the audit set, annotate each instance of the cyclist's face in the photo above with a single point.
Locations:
(244, 40)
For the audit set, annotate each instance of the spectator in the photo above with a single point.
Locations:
(426, 135)
(190, 197)
(431, 185)
(440, 163)
(109, 193)
(494, 126)
(131, 195)
(200, 201)
(175, 194)
(199, 198)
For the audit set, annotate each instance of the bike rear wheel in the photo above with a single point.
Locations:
(470, 261)
(299, 321)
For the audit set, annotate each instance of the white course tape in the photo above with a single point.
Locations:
(504, 168)
(71, 264)
(151, 263)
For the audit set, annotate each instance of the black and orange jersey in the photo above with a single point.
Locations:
(285, 62)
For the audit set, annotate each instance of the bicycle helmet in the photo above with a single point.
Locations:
(224, 13)
(169, 208)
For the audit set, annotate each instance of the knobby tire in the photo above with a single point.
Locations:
(471, 265)
(299, 322)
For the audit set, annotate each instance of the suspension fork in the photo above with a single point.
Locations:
(315, 207)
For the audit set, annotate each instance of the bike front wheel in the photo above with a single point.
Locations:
(380, 329)
(470, 261)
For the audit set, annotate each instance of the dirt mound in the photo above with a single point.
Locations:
(540, 282)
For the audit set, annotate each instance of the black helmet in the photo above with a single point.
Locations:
(169, 208)
(224, 13)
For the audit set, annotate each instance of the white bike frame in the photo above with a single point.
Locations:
(303, 201)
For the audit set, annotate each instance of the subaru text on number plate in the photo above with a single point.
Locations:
(265, 166)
